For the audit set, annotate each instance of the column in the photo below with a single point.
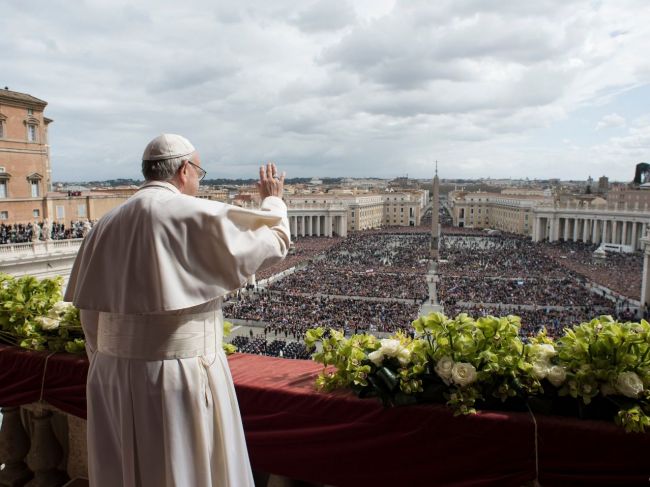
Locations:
(585, 230)
(635, 243)
(594, 232)
(575, 229)
(615, 227)
(328, 226)
(645, 282)
(308, 225)
(555, 230)
(294, 226)
(624, 234)
(14, 446)
(565, 233)
(302, 229)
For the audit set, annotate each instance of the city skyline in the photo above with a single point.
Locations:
(340, 89)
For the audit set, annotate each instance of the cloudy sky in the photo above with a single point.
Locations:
(539, 89)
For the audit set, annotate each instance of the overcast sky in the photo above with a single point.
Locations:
(499, 88)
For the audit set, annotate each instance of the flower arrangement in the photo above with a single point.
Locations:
(468, 363)
(32, 315)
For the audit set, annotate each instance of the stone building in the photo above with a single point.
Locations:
(502, 211)
(25, 172)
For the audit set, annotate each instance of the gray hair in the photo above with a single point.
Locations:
(163, 170)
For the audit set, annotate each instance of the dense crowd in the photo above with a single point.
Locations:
(381, 251)
(385, 269)
(324, 278)
(302, 250)
(538, 291)
(294, 315)
(277, 348)
(40, 231)
(620, 272)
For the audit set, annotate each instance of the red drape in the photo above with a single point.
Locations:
(338, 439)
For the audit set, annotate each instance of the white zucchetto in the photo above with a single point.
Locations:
(167, 146)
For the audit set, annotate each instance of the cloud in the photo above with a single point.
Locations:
(611, 121)
(335, 87)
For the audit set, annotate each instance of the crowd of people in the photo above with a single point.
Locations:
(303, 249)
(539, 291)
(43, 230)
(618, 271)
(322, 277)
(294, 315)
(277, 348)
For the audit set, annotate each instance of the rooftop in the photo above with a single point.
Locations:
(7, 95)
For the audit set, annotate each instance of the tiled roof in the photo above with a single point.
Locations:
(6, 94)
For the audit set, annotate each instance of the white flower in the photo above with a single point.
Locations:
(376, 357)
(390, 347)
(58, 310)
(544, 351)
(463, 373)
(443, 368)
(47, 323)
(629, 384)
(61, 307)
(404, 356)
(556, 375)
(541, 369)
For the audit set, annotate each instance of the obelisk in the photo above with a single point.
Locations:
(435, 218)
(432, 305)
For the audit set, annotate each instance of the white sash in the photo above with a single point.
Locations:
(159, 337)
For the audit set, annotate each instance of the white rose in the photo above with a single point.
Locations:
(556, 375)
(47, 323)
(540, 369)
(463, 373)
(443, 368)
(390, 347)
(61, 307)
(376, 357)
(404, 356)
(544, 351)
(629, 384)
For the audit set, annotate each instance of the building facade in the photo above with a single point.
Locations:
(501, 211)
(25, 172)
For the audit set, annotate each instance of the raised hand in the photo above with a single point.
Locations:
(270, 184)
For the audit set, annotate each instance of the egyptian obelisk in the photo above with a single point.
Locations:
(435, 218)
(432, 305)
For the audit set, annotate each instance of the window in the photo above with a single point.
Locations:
(4, 215)
(60, 212)
(36, 212)
(81, 211)
(35, 191)
(30, 111)
(3, 188)
(31, 133)
(2, 129)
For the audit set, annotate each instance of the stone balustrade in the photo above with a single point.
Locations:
(41, 446)
(32, 249)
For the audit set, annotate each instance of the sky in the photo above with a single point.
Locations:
(365, 88)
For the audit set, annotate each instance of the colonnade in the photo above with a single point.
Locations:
(308, 224)
(595, 229)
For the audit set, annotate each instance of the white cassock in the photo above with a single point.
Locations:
(149, 280)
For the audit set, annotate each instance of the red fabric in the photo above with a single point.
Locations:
(338, 439)
(21, 376)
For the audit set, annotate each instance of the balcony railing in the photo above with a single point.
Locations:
(32, 249)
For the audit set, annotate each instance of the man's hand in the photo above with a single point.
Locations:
(270, 184)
